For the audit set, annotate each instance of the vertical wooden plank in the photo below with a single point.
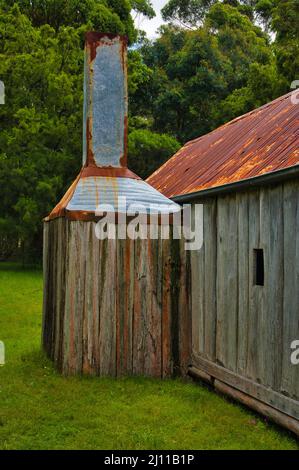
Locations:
(290, 330)
(254, 291)
(108, 309)
(147, 311)
(264, 372)
(276, 282)
(166, 332)
(243, 277)
(210, 260)
(87, 312)
(130, 264)
(94, 325)
(153, 317)
(271, 304)
(227, 282)
(79, 295)
(86, 250)
(174, 314)
(197, 297)
(68, 326)
(124, 305)
(121, 301)
(64, 261)
(222, 261)
(184, 311)
(139, 308)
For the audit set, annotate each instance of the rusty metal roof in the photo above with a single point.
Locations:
(262, 141)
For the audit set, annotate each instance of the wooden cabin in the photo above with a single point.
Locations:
(245, 279)
(228, 312)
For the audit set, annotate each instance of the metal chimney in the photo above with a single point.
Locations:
(104, 177)
(105, 101)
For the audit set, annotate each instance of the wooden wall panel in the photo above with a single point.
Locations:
(255, 324)
(111, 306)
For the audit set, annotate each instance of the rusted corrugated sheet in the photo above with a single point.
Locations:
(94, 191)
(262, 141)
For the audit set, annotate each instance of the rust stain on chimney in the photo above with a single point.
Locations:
(124, 158)
(90, 161)
(94, 40)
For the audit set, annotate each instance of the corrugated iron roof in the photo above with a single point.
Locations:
(262, 141)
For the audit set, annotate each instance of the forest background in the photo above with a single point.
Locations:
(211, 61)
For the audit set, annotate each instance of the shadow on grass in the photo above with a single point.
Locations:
(255, 416)
(15, 266)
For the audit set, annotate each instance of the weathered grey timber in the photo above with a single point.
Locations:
(114, 307)
(242, 332)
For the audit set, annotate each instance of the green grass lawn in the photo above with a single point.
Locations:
(39, 409)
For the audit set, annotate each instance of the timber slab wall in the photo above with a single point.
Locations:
(114, 307)
(242, 332)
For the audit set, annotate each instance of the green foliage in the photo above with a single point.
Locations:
(144, 7)
(285, 22)
(8, 238)
(282, 18)
(262, 85)
(41, 64)
(264, 9)
(219, 65)
(204, 76)
(139, 74)
(148, 151)
(189, 13)
(104, 15)
(279, 16)
(42, 71)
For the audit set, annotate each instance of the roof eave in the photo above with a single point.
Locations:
(264, 179)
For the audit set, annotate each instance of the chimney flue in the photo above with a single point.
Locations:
(104, 177)
(105, 101)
